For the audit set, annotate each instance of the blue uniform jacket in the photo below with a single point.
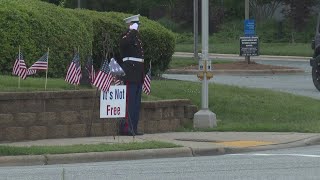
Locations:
(131, 46)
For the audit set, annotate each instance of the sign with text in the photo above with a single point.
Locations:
(113, 102)
(249, 46)
(249, 27)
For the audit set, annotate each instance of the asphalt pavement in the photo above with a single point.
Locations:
(295, 80)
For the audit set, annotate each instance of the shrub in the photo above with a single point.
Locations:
(169, 24)
(229, 32)
(268, 31)
(36, 25)
(185, 37)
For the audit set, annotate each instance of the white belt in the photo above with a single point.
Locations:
(133, 59)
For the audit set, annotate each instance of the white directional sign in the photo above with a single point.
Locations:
(249, 46)
(113, 102)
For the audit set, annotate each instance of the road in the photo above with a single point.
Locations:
(295, 163)
(299, 84)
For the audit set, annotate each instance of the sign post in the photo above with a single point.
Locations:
(247, 17)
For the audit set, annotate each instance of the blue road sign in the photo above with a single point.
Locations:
(249, 27)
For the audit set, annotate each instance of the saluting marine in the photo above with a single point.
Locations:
(132, 63)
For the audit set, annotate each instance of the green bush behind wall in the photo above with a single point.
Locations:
(34, 26)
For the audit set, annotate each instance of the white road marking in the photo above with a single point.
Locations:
(298, 155)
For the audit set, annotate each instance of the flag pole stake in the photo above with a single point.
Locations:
(19, 62)
(45, 85)
(75, 86)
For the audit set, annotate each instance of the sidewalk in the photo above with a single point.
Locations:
(194, 144)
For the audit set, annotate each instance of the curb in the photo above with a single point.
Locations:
(118, 155)
(22, 160)
(314, 140)
(28, 160)
(237, 72)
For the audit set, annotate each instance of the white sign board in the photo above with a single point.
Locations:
(113, 102)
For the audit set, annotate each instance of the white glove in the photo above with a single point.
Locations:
(134, 26)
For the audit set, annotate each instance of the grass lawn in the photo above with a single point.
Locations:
(40, 150)
(283, 49)
(247, 109)
(10, 83)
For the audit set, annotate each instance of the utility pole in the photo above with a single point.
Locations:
(195, 29)
(204, 118)
(246, 6)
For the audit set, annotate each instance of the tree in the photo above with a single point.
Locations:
(263, 9)
(234, 9)
(298, 12)
(130, 6)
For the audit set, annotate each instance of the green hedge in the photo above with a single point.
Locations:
(36, 25)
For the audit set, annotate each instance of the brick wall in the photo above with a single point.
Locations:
(43, 115)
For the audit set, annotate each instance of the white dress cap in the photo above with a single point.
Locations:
(130, 19)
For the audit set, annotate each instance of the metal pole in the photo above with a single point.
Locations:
(247, 9)
(204, 118)
(79, 4)
(247, 58)
(195, 28)
(205, 45)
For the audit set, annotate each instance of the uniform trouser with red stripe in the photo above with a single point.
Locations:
(134, 90)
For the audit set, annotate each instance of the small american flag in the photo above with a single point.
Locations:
(19, 67)
(90, 69)
(74, 71)
(104, 78)
(41, 64)
(116, 81)
(146, 87)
